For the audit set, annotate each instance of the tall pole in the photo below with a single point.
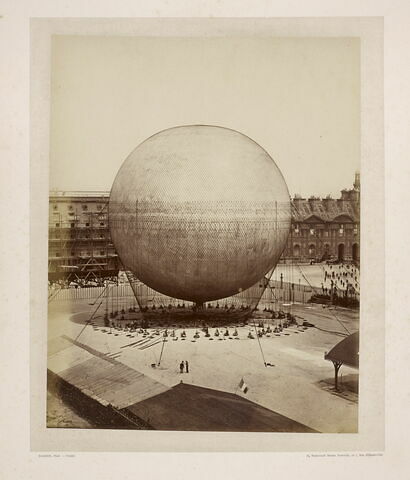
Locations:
(162, 349)
(136, 229)
(112, 302)
(117, 293)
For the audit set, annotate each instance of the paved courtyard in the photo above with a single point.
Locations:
(297, 384)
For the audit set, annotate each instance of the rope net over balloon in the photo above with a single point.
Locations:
(200, 251)
(200, 214)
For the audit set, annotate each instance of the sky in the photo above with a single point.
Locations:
(299, 98)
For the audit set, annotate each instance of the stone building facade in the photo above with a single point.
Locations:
(80, 245)
(325, 228)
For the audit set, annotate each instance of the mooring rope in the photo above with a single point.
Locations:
(331, 312)
(260, 346)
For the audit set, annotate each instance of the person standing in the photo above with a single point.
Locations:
(186, 366)
(181, 367)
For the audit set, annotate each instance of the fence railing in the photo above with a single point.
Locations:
(122, 296)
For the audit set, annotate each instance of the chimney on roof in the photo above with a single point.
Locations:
(328, 202)
(297, 201)
(314, 202)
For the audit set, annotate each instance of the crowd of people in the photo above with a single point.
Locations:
(340, 286)
(342, 278)
(82, 282)
(194, 307)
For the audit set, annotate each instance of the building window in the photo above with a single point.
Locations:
(99, 207)
(84, 207)
(70, 207)
(72, 225)
(326, 233)
(55, 207)
(87, 224)
(312, 231)
(87, 236)
(101, 235)
(57, 225)
(102, 252)
(57, 254)
(102, 224)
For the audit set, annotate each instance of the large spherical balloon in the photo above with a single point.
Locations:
(199, 212)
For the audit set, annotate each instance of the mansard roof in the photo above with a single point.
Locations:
(325, 210)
